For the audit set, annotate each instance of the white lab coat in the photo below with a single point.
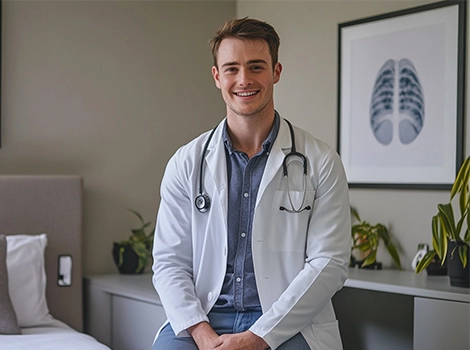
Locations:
(300, 259)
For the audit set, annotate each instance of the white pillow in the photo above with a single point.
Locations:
(27, 278)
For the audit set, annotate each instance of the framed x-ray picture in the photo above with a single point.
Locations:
(401, 97)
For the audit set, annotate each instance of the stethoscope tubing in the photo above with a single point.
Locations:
(203, 201)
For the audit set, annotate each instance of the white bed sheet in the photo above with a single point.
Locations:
(56, 337)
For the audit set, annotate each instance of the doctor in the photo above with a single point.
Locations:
(253, 231)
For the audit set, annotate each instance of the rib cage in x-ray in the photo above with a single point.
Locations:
(397, 97)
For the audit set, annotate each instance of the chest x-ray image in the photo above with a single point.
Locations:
(397, 103)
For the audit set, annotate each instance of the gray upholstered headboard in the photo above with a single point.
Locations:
(33, 204)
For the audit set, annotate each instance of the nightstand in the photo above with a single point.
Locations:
(122, 311)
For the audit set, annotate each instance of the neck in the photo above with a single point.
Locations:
(248, 133)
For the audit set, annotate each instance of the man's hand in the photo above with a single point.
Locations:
(206, 339)
(204, 336)
(241, 341)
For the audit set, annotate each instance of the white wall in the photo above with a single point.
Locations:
(307, 95)
(107, 90)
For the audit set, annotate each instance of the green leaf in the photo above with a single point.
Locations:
(383, 233)
(370, 259)
(446, 214)
(461, 179)
(138, 232)
(425, 261)
(142, 264)
(460, 224)
(463, 199)
(439, 238)
(435, 231)
(355, 214)
(394, 254)
(363, 247)
(361, 229)
(137, 214)
(140, 249)
(121, 259)
(463, 254)
(466, 237)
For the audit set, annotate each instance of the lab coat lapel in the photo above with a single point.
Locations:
(279, 149)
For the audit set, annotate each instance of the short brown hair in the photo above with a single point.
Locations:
(247, 29)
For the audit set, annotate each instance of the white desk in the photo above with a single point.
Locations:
(387, 309)
(122, 311)
(377, 309)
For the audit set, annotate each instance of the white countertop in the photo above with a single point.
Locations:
(391, 281)
(406, 282)
(138, 287)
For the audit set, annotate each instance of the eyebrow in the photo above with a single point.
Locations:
(258, 61)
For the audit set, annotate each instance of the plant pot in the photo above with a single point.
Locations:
(436, 269)
(459, 276)
(357, 263)
(130, 260)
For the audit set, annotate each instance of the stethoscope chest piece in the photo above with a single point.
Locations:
(202, 202)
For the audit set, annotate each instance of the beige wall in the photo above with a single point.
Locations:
(307, 94)
(107, 90)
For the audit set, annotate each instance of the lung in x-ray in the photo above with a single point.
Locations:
(397, 97)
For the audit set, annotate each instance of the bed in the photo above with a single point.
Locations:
(41, 302)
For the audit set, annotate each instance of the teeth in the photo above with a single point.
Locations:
(245, 94)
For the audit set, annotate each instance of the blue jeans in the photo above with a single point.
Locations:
(224, 322)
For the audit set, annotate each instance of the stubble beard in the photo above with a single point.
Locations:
(257, 112)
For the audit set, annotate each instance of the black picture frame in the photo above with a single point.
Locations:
(401, 96)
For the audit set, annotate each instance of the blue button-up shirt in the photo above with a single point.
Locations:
(239, 290)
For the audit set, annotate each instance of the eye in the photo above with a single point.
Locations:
(230, 70)
(257, 68)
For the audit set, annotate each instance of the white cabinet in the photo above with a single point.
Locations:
(441, 324)
(122, 311)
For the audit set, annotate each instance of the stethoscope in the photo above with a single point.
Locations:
(203, 201)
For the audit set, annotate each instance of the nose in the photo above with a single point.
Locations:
(244, 77)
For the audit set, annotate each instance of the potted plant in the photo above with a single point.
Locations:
(450, 234)
(131, 255)
(366, 239)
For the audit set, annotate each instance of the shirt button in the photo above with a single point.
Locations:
(238, 279)
(245, 194)
(243, 234)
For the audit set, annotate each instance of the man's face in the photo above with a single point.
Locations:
(245, 76)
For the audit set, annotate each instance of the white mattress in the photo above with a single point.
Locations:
(59, 337)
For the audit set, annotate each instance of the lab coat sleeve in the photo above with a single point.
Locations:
(326, 261)
(172, 252)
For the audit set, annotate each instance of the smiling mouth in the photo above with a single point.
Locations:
(246, 94)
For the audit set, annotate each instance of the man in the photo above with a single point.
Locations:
(251, 245)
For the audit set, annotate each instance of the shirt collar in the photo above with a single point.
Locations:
(267, 144)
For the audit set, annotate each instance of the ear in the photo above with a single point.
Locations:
(277, 72)
(215, 75)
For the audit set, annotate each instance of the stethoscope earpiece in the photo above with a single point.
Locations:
(308, 207)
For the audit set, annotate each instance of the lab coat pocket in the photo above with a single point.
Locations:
(289, 228)
(326, 336)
